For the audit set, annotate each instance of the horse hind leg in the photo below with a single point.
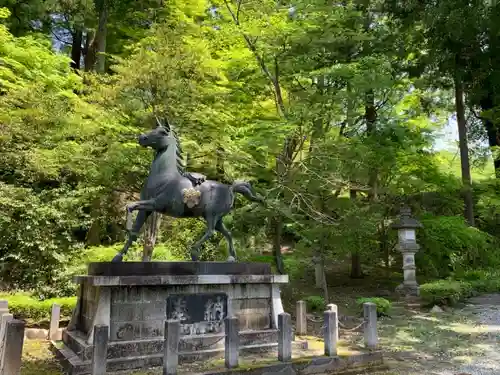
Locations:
(133, 234)
(219, 226)
(195, 249)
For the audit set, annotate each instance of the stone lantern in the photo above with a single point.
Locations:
(407, 244)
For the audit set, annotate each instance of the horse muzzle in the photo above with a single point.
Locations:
(143, 140)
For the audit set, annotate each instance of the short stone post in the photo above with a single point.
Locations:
(331, 332)
(333, 307)
(284, 337)
(171, 347)
(370, 325)
(407, 245)
(13, 350)
(301, 325)
(4, 307)
(232, 343)
(5, 318)
(100, 352)
(55, 316)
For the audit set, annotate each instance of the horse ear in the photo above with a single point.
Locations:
(158, 123)
(167, 125)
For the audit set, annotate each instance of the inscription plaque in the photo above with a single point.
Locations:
(198, 313)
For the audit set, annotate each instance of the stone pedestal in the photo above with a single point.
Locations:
(409, 286)
(408, 246)
(136, 298)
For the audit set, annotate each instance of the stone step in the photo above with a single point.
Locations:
(190, 343)
(73, 365)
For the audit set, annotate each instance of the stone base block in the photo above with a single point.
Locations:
(135, 298)
(74, 365)
(408, 290)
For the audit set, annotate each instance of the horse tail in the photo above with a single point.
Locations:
(244, 188)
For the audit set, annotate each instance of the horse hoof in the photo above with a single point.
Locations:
(231, 259)
(118, 258)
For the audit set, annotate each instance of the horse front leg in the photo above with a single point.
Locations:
(195, 249)
(141, 218)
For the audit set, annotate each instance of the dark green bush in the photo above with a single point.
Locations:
(445, 292)
(315, 303)
(449, 245)
(482, 281)
(383, 305)
(23, 306)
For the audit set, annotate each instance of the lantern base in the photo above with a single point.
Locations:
(408, 290)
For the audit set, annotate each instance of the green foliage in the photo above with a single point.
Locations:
(24, 306)
(315, 303)
(488, 206)
(449, 245)
(383, 305)
(462, 285)
(482, 281)
(330, 119)
(445, 292)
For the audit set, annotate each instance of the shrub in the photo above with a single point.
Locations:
(26, 307)
(445, 292)
(315, 303)
(482, 281)
(449, 245)
(383, 305)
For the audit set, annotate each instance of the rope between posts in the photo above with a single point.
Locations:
(341, 325)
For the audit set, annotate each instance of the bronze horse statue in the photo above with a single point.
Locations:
(172, 191)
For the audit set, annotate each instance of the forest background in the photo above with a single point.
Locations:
(331, 109)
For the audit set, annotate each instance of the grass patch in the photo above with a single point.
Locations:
(38, 359)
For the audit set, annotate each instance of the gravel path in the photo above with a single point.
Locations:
(486, 310)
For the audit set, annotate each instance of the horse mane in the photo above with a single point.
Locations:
(178, 149)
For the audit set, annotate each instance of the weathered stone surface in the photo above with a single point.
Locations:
(177, 268)
(370, 326)
(253, 314)
(100, 350)
(331, 328)
(301, 316)
(181, 280)
(73, 365)
(284, 337)
(135, 308)
(12, 352)
(232, 342)
(171, 347)
(55, 316)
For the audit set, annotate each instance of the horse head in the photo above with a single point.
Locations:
(158, 139)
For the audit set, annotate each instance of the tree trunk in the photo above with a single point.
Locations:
(371, 118)
(492, 130)
(101, 37)
(464, 152)
(95, 44)
(220, 171)
(319, 270)
(277, 226)
(89, 60)
(76, 49)
(94, 233)
(356, 269)
(151, 228)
